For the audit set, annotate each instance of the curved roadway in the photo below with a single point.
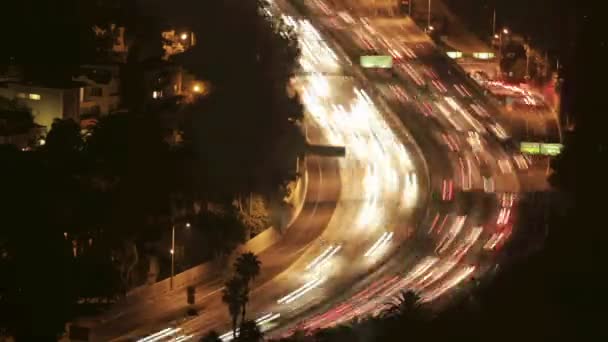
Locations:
(369, 227)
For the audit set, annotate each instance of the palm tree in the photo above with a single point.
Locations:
(233, 295)
(250, 332)
(211, 336)
(405, 304)
(247, 267)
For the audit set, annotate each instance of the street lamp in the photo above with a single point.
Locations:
(184, 36)
(172, 251)
(428, 23)
(505, 31)
(494, 23)
(172, 256)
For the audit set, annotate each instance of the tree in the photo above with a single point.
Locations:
(342, 332)
(405, 303)
(234, 295)
(220, 232)
(250, 332)
(64, 137)
(247, 267)
(63, 147)
(33, 251)
(257, 71)
(211, 336)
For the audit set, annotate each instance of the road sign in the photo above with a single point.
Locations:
(454, 54)
(529, 147)
(551, 149)
(384, 62)
(483, 55)
(540, 148)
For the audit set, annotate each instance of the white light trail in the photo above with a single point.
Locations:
(301, 291)
(381, 242)
(183, 338)
(446, 114)
(467, 243)
(435, 274)
(160, 335)
(449, 283)
(320, 257)
(260, 321)
(451, 234)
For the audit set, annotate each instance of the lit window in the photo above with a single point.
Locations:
(34, 97)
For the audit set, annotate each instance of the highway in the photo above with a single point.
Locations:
(422, 208)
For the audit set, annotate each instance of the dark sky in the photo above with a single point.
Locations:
(547, 23)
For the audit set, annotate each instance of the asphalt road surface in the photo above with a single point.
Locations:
(426, 194)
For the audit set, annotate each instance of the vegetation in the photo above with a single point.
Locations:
(236, 296)
(247, 266)
(250, 332)
(78, 212)
(211, 336)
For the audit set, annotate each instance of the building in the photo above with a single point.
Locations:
(101, 93)
(47, 102)
(176, 42)
(162, 80)
(17, 128)
(118, 49)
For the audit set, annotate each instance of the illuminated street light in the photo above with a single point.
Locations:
(496, 36)
(197, 88)
(428, 23)
(505, 30)
(184, 36)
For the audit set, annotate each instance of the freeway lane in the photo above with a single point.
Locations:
(463, 245)
(377, 196)
(380, 187)
(323, 189)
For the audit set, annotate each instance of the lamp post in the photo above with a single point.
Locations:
(428, 22)
(527, 48)
(173, 253)
(494, 22)
(505, 31)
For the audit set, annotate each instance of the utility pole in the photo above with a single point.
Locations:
(172, 255)
(429, 16)
(494, 22)
(527, 47)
